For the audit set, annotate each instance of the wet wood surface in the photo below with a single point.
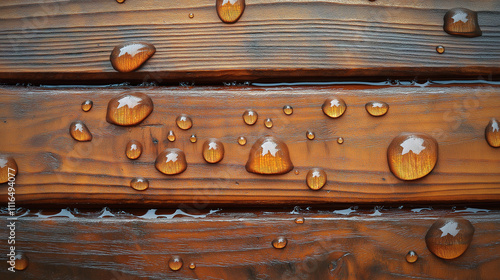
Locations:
(68, 41)
(54, 169)
(229, 245)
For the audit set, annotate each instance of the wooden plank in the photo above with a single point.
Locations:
(61, 41)
(229, 245)
(54, 169)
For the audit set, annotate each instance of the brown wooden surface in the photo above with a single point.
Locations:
(54, 169)
(60, 41)
(228, 245)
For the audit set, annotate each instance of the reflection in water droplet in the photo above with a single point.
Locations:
(21, 261)
(250, 117)
(175, 263)
(171, 161)
(7, 165)
(440, 49)
(171, 136)
(213, 150)
(139, 184)
(299, 220)
(316, 178)
(411, 257)
(87, 105)
(412, 155)
(280, 242)
(230, 11)
(80, 132)
(192, 266)
(377, 109)
(130, 56)
(310, 135)
(268, 123)
(269, 155)
(492, 133)
(288, 110)
(340, 140)
(242, 141)
(133, 149)
(191, 15)
(193, 138)
(462, 22)
(129, 109)
(448, 238)
(334, 107)
(184, 122)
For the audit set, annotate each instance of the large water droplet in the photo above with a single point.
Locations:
(130, 56)
(87, 105)
(310, 135)
(80, 132)
(120, 1)
(193, 138)
(412, 155)
(139, 184)
(288, 110)
(377, 109)
(316, 178)
(280, 242)
(411, 257)
(175, 263)
(22, 261)
(171, 136)
(7, 165)
(492, 133)
(250, 117)
(440, 49)
(269, 155)
(230, 11)
(268, 123)
(133, 149)
(213, 150)
(184, 122)
(129, 109)
(242, 141)
(448, 238)
(462, 22)
(171, 161)
(334, 107)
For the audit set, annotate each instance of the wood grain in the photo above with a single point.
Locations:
(60, 41)
(54, 169)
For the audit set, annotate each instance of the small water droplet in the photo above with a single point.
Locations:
(411, 257)
(269, 155)
(280, 242)
(7, 165)
(129, 109)
(230, 11)
(310, 135)
(133, 149)
(377, 109)
(87, 105)
(175, 263)
(139, 184)
(130, 56)
(171, 136)
(440, 49)
(191, 15)
(213, 150)
(192, 266)
(184, 122)
(492, 133)
(299, 220)
(334, 107)
(22, 261)
(268, 123)
(80, 132)
(288, 110)
(412, 155)
(448, 238)
(171, 161)
(120, 1)
(297, 172)
(250, 117)
(242, 141)
(462, 22)
(340, 140)
(316, 178)
(193, 138)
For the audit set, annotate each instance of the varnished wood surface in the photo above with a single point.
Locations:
(228, 245)
(60, 41)
(54, 169)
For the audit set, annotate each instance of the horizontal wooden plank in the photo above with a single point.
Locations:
(54, 169)
(229, 245)
(62, 41)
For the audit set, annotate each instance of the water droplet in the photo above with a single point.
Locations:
(87, 105)
(288, 110)
(297, 172)
(242, 141)
(440, 49)
(193, 138)
(133, 149)
(191, 15)
(377, 109)
(171, 136)
(130, 56)
(7, 165)
(411, 257)
(139, 184)
(340, 140)
(22, 261)
(310, 135)
(250, 117)
(192, 266)
(462, 22)
(230, 11)
(269, 155)
(280, 242)
(171, 161)
(316, 178)
(448, 238)
(129, 109)
(334, 107)
(175, 263)
(80, 132)
(268, 123)
(412, 155)
(213, 150)
(120, 1)
(299, 220)
(492, 133)
(184, 122)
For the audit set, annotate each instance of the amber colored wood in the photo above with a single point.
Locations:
(229, 245)
(71, 41)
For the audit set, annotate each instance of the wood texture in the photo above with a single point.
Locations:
(228, 245)
(57, 170)
(61, 41)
